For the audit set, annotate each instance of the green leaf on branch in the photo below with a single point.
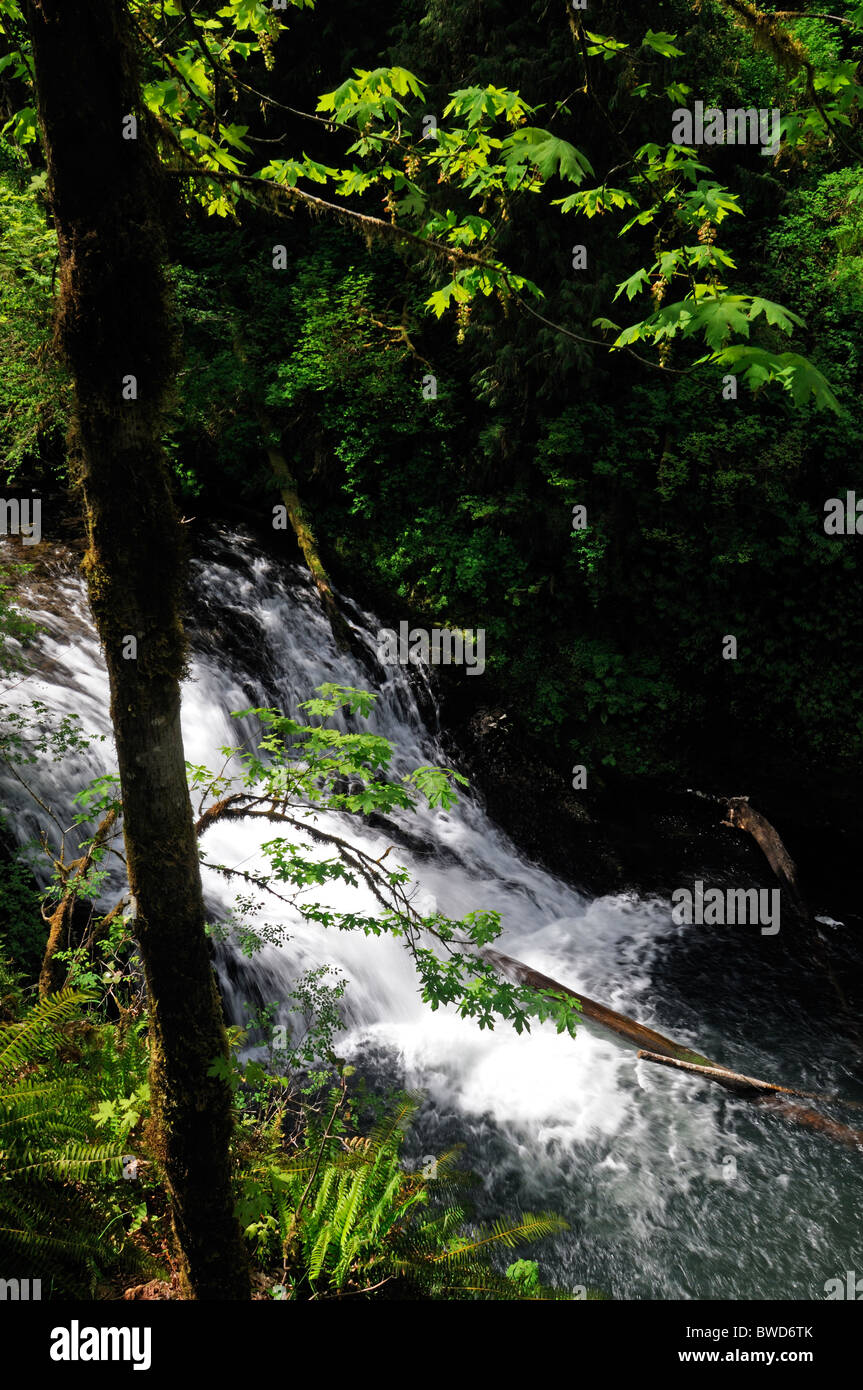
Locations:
(662, 43)
(551, 156)
(636, 282)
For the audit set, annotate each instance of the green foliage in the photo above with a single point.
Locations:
(483, 151)
(347, 1219)
(451, 504)
(15, 629)
(34, 390)
(58, 1178)
(11, 992)
(330, 1210)
(22, 931)
(108, 966)
(36, 730)
(299, 1053)
(304, 769)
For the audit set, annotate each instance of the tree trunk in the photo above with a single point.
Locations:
(108, 202)
(307, 541)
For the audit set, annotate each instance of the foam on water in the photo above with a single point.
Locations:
(631, 1155)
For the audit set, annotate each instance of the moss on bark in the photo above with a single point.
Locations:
(109, 205)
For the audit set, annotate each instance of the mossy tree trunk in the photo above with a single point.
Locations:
(108, 201)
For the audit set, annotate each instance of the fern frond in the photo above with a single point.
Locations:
(75, 1161)
(509, 1234)
(39, 1034)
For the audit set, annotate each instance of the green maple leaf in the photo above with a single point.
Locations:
(805, 382)
(635, 283)
(718, 317)
(550, 155)
(775, 314)
(663, 43)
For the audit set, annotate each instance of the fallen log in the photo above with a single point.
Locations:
(598, 1013)
(654, 1047)
(737, 1081)
(766, 1093)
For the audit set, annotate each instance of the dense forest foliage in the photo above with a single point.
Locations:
(705, 515)
(456, 336)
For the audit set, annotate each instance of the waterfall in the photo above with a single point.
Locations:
(672, 1189)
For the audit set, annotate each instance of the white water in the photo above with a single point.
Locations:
(631, 1155)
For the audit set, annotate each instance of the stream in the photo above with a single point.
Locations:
(672, 1188)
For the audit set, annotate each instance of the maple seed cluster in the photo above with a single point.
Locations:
(658, 289)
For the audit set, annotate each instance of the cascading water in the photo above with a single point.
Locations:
(672, 1189)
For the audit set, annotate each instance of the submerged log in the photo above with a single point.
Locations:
(766, 1093)
(654, 1047)
(736, 1080)
(733, 1079)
